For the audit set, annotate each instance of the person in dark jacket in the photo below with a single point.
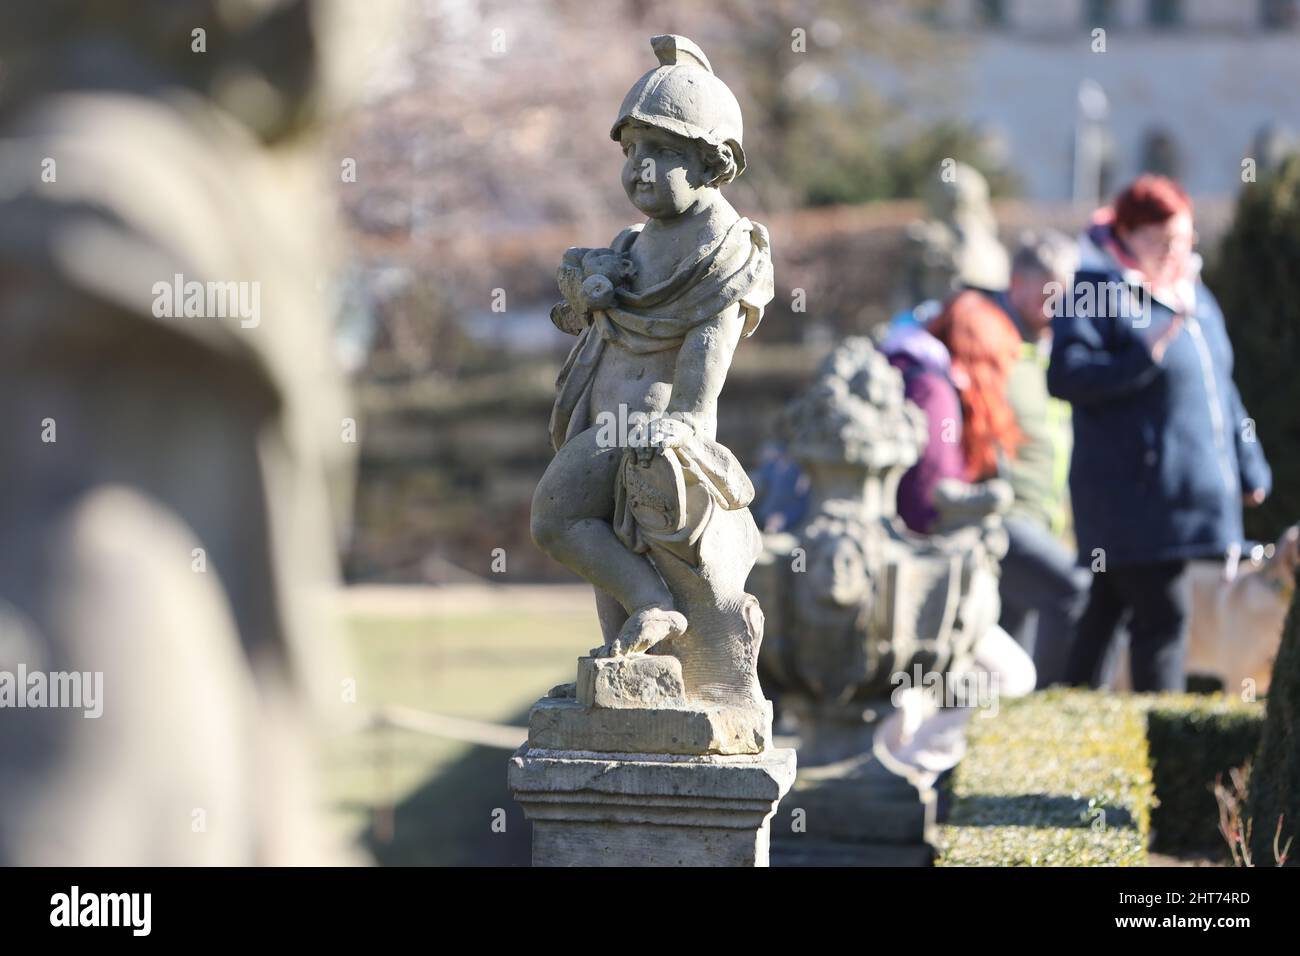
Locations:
(1164, 452)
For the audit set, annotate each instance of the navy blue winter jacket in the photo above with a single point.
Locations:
(1162, 451)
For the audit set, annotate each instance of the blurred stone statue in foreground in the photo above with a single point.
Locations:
(872, 630)
(171, 477)
(642, 500)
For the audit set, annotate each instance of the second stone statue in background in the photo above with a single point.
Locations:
(881, 643)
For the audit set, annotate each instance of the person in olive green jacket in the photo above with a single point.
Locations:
(1043, 592)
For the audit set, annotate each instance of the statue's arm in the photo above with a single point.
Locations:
(702, 366)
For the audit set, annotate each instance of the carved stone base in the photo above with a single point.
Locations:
(560, 724)
(628, 771)
(593, 809)
(633, 680)
(636, 704)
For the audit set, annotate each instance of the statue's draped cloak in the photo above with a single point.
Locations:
(734, 268)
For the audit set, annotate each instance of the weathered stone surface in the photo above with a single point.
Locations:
(660, 759)
(692, 728)
(867, 600)
(594, 809)
(654, 512)
(631, 680)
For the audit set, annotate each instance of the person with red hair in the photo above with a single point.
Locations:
(1164, 452)
(955, 369)
(984, 346)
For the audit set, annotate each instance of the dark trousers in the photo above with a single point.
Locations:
(1156, 599)
(1043, 595)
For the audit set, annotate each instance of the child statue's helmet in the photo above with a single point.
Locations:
(683, 96)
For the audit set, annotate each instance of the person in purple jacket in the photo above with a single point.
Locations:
(927, 381)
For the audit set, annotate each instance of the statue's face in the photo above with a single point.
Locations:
(664, 174)
(839, 573)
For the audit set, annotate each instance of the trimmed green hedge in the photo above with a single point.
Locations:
(1059, 778)
(1081, 778)
(1031, 846)
(1192, 739)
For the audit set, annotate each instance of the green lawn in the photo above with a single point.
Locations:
(419, 799)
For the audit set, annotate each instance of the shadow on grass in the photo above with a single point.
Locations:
(448, 819)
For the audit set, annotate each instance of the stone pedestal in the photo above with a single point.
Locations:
(592, 809)
(629, 772)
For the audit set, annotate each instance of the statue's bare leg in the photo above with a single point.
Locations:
(572, 510)
(611, 614)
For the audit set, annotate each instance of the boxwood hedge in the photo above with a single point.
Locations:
(1192, 739)
(1079, 778)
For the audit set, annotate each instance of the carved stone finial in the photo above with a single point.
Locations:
(854, 413)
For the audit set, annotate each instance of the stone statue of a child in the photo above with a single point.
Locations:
(658, 316)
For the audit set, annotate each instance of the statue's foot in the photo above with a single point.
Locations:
(643, 630)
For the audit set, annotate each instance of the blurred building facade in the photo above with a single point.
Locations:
(1189, 85)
